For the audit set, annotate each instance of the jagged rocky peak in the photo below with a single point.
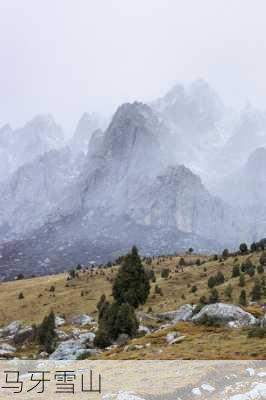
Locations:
(133, 122)
(24, 144)
(122, 160)
(133, 137)
(196, 103)
(88, 123)
(250, 131)
(257, 161)
(44, 128)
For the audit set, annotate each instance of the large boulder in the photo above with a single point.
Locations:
(11, 329)
(71, 350)
(227, 314)
(81, 320)
(184, 313)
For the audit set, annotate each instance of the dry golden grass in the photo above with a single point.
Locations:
(39, 301)
(201, 342)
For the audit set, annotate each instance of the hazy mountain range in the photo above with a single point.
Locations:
(137, 182)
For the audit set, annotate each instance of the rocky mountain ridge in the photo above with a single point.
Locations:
(130, 186)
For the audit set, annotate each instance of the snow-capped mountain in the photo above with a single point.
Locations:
(23, 145)
(137, 182)
(117, 200)
(199, 122)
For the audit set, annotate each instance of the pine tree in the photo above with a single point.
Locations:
(214, 296)
(243, 298)
(132, 283)
(263, 259)
(225, 253)
(256, 291)
(211, 282)
(103, 307)
(243, 248)
(242, 280)
(235, 271)
(46, 333)
(228, 291)
(260, 269)
(219, 278)
(253, 247)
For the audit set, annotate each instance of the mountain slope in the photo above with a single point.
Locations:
(125, 194)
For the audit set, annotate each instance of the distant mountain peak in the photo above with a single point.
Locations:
(87, 124)
(257, 158)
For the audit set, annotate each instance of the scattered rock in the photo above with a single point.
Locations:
(81, 319)
(43, 355)
(142, 316)
(62, 335)
(184, 313)
(6, 350)
(207, 387)
(75, 333)
(132, 347)
(144, 330)
(171, 336)
(178, 339)
(11, 329)
(59, 321)
(71, 350)
(227, 314)
(87, 337)
(23, 335)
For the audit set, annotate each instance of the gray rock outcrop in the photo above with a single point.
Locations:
(227, 314)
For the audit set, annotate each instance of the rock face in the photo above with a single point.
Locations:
(122, 188)
(184, 313)
(30, 197)
(227, 314)
(130, 186)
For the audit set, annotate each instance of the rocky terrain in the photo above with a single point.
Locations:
(161, 176)
(171, 325)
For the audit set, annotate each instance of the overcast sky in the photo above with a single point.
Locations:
(70, 56)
